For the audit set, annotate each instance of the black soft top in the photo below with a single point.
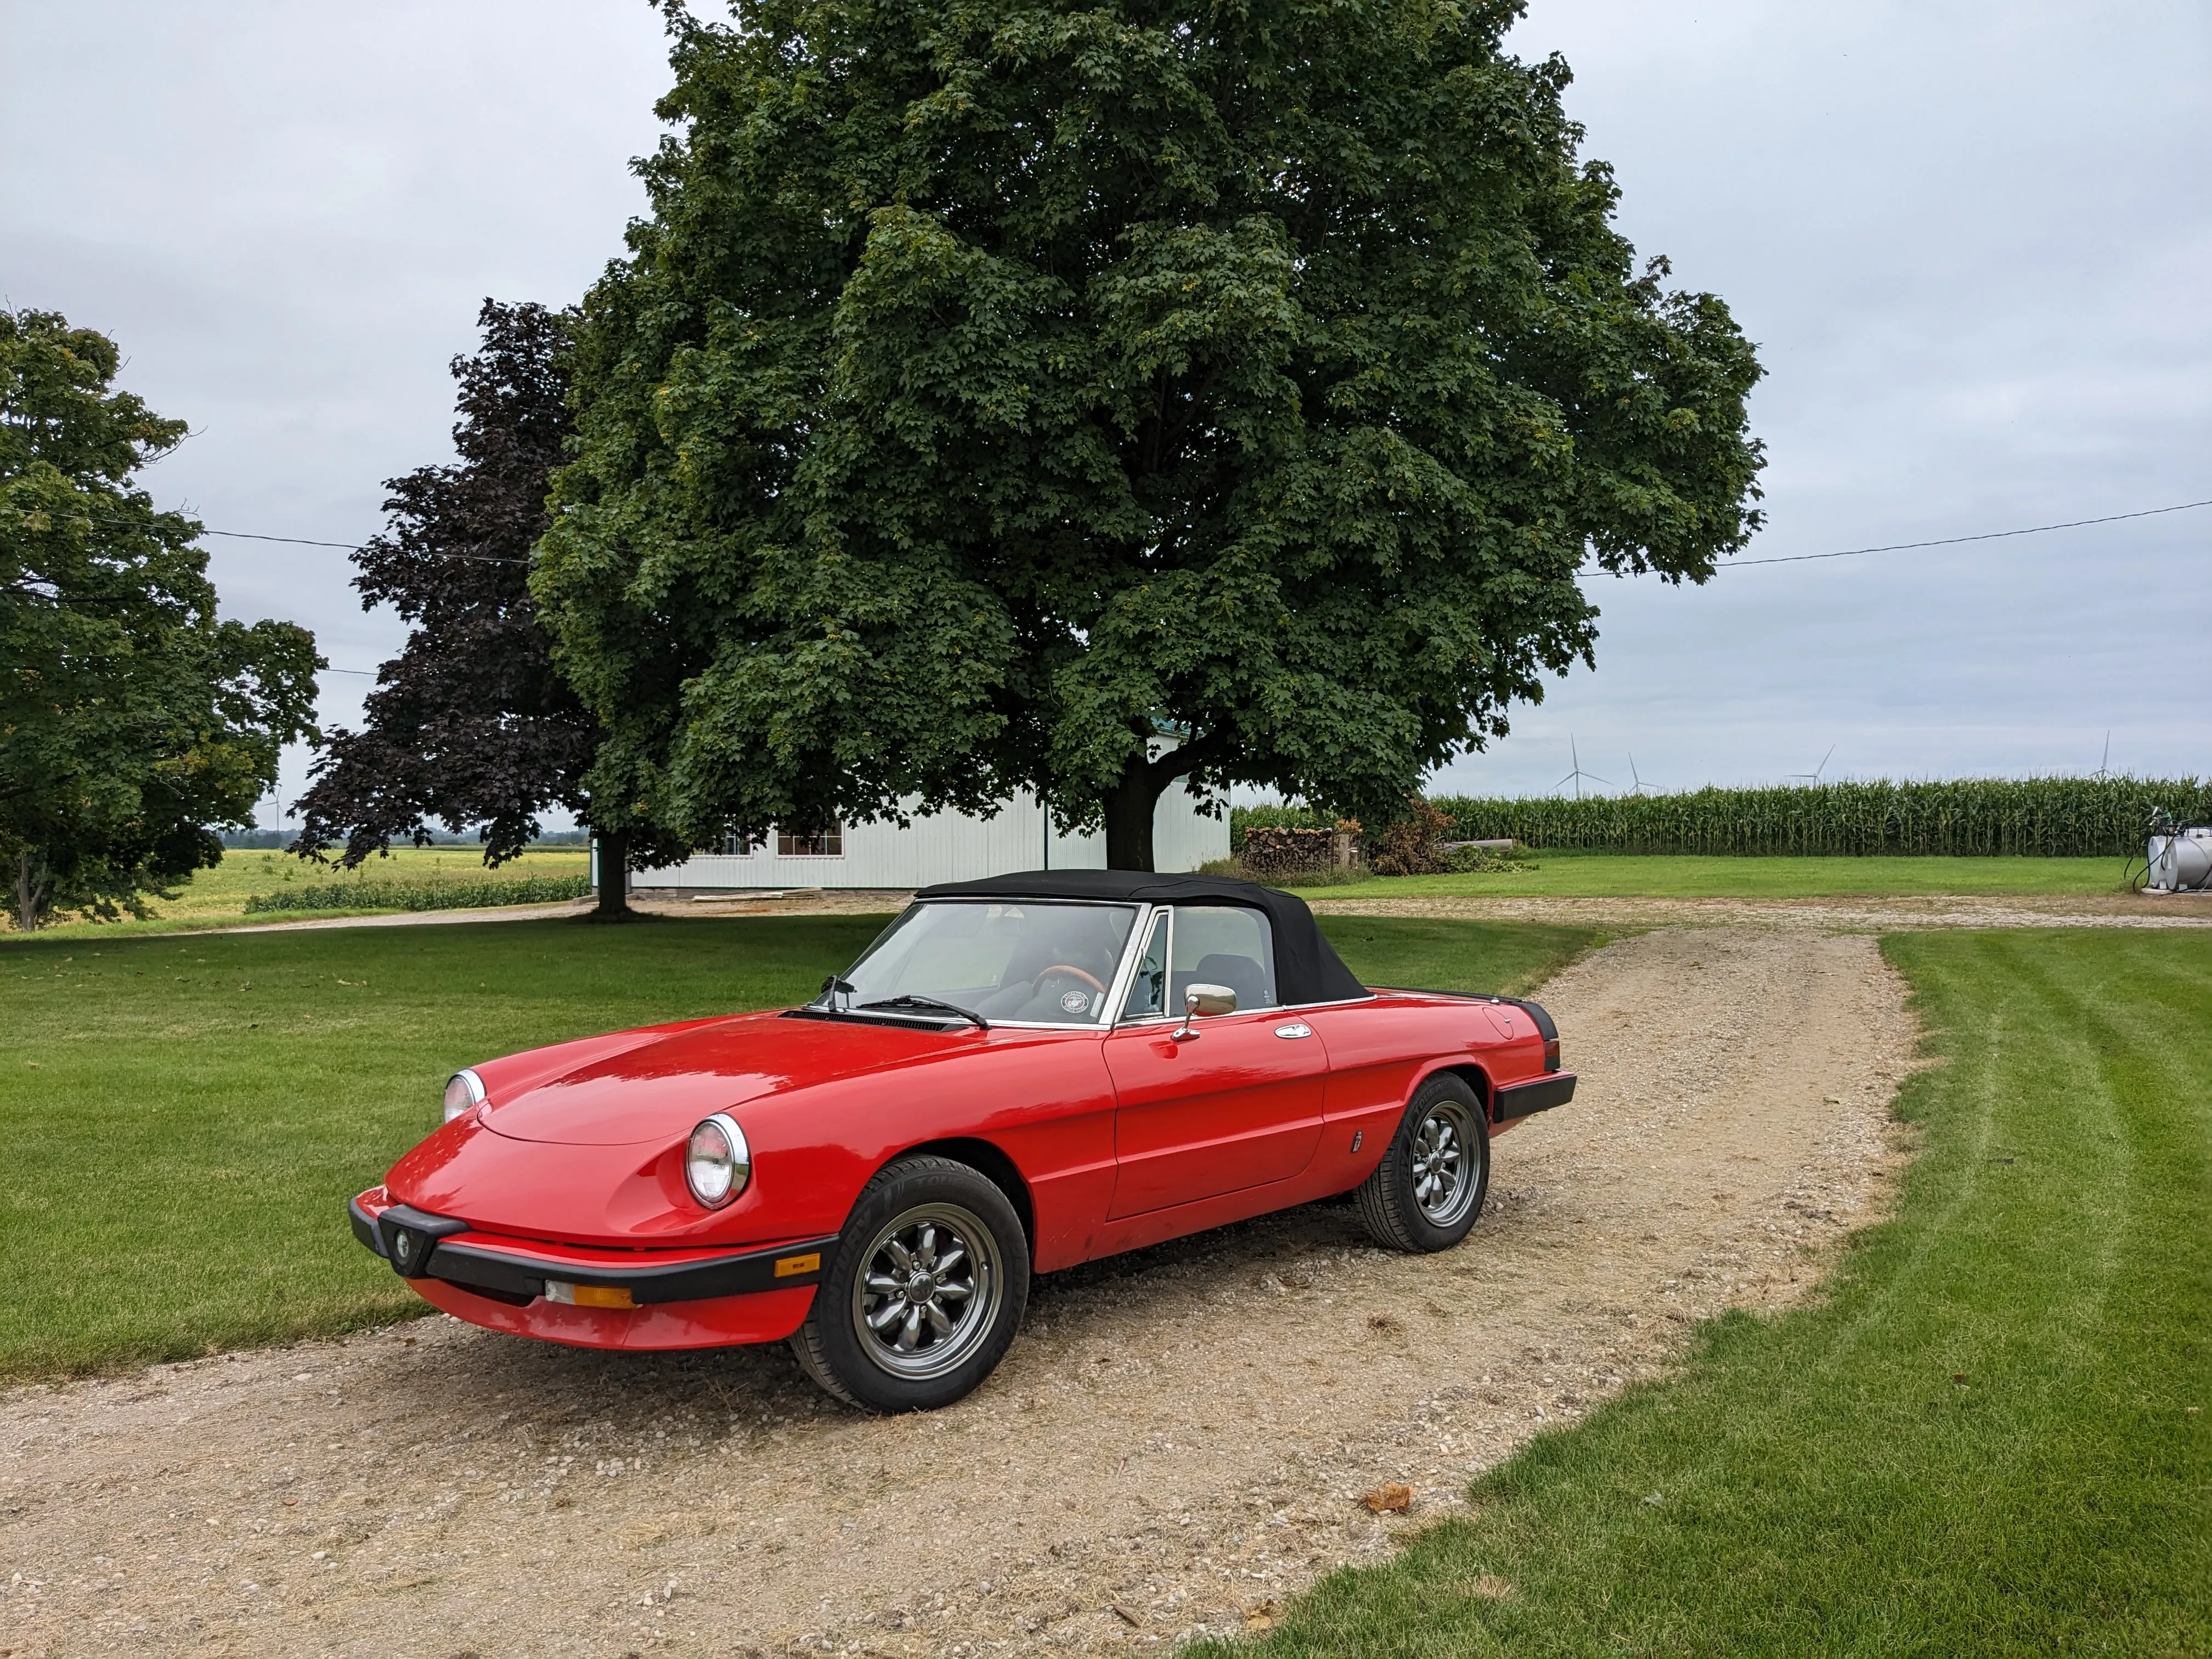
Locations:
(1307, 967)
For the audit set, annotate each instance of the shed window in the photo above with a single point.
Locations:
(822, 844)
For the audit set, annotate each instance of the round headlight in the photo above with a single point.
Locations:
(464, 1093)
(717, 1162)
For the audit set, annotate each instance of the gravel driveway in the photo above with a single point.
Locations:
(1178, 1442)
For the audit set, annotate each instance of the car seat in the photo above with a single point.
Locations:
(1251, 982)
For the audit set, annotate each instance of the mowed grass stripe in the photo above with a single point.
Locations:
(1824, 1482)
(183, 1119)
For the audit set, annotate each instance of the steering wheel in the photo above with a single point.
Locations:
(1091, 980)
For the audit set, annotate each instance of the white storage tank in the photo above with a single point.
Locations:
(2181, 860)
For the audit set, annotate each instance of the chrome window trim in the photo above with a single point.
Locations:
(1174, 1017)
(1132, 955)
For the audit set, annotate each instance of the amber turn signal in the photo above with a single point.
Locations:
(588, 1295)
(785, 1266)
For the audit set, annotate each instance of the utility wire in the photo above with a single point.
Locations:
(1953, 541)
(296, 541)
(1731, 564)
(356, 547)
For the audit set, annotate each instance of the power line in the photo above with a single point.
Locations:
(296, 541)
(1731, 564)
(1789, 558)
(1953, 541)
(356, 547)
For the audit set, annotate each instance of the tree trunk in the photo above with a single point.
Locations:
(614, 877)
(1129, 816)
(33, 889)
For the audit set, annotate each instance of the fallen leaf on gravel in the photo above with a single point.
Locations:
(1261, 1617)
(1389, 1495)
(1123, 1614)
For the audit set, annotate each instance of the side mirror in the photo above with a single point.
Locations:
(1203, 1000)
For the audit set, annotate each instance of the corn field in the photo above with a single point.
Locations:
(422, 895)
(2036, 817)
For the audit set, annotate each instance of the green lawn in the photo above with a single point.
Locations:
(217, 897)
(1609, 875)
(185, 1117)
(1990, 1438)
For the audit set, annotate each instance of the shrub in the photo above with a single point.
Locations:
(1485, 860)
(1409, 846)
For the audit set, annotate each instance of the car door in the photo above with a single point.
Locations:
(1238, 1102)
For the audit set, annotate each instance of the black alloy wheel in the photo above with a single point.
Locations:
(923, 1292)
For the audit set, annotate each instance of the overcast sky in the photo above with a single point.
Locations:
(1974, 242)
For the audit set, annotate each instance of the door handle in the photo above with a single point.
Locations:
(1297, 1028)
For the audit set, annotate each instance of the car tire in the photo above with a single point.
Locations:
(1428, 1190)
(953, 1237)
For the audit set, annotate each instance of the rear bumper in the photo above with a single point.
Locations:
(682, 1298)
(1518, 1100)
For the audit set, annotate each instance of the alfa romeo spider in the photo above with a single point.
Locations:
(1021, 1073)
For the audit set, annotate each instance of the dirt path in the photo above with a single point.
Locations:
(1178, 1440)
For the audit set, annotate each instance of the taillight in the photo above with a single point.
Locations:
(1551, 1053)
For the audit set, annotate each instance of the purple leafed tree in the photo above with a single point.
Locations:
(470, 724)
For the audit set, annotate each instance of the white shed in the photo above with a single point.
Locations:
(947, 847)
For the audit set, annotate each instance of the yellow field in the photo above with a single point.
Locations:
(220, 893)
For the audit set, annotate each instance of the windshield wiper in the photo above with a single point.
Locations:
(911, 1001)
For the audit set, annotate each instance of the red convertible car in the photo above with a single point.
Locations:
(1021, 1073)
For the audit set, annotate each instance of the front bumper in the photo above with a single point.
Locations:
(690, 1297)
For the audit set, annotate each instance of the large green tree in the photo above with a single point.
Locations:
(134, 722)
(996, 387)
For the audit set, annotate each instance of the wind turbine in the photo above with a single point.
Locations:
(1639, 786)
(2104, 772)
(1814, 776)
(1578, 775)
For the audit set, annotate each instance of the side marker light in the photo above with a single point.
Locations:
(786, 1266)
(588, 1295)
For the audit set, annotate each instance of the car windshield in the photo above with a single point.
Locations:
(1051, 963)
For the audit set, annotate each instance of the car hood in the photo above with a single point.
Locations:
(653, 1085)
